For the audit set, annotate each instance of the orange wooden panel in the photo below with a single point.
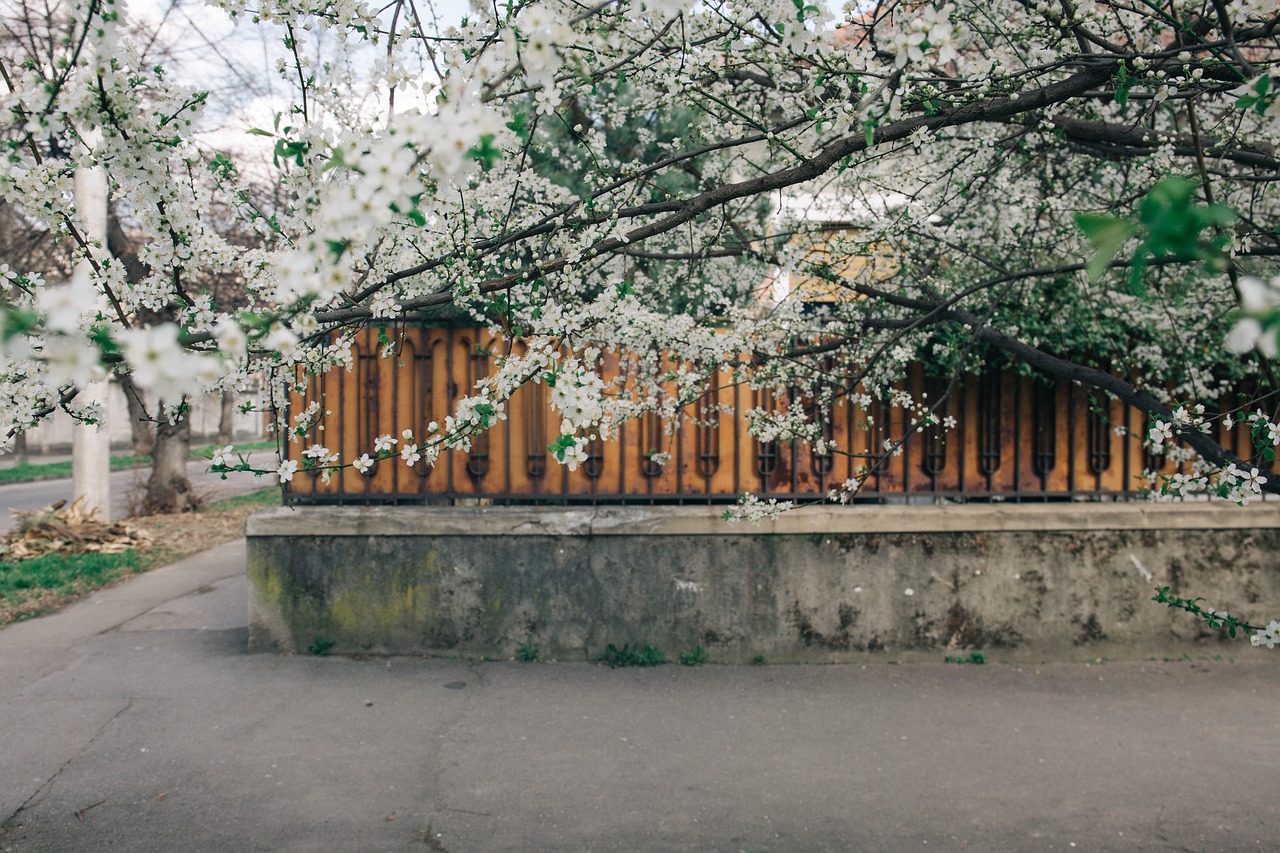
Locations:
(711, 451)
(722, 438)
(1112, 479)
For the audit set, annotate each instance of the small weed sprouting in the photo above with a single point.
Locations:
(696, 656)
(527, 651)
(758, 660)
(630, 655)
(973, 657)
(320, 647)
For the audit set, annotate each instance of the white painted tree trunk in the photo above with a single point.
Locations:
(91, 445)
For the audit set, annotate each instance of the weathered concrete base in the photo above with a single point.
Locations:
(1066, 581)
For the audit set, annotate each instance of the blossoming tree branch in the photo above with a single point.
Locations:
(1082, 189)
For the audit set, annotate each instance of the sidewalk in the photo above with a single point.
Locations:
(135, 721)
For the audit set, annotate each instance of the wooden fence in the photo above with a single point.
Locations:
(1016, 438)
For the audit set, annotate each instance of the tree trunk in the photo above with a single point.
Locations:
(20, 448)
(227, 419)
(140, 428)
(169, 490)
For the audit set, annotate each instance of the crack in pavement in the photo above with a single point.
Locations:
(44, 786)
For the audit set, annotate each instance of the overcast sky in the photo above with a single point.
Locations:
(237, 64)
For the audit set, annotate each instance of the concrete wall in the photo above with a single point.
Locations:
(1061, 581)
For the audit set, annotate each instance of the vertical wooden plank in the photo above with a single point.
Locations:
(724, 481)
(1059, 479)
(495, 482)
(1112, 479)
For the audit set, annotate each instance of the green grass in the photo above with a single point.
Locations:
(32, 587)
(630, 655)
(262, 498)
(53, 470)
(695, 656)
(527, 651)
(973, 657)
(64, 574)
(206, 451)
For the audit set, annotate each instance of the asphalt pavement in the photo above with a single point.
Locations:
(136, 721)
(127, 488)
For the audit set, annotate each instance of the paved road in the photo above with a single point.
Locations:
(126, 490)
(135, 721)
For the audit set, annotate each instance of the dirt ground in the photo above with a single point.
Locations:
(192, 532)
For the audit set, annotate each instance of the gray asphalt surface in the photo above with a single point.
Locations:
(127, 487)
(135, 721)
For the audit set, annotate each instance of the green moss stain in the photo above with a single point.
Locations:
(498, 598)
(358, 602)
(266, 581)
(372, 615)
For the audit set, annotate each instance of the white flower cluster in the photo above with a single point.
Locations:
(926, 27)
(541, 32)
(462, 122)
(578, 395)
(318, 457)
(787, 424)
(1185, 419)
(160, 363)
(475, 413)
(1256, 329)
(1267, 636)
(846, 492)
(1266, 433)
(755, 510)
(1239, 484)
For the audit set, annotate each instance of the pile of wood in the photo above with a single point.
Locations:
(68, 529)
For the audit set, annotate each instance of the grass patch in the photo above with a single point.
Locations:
(695, 656)
(630, 655)
(56, 470)
(207, 450)
(973, 657)
(41, 585)
(55, 577)
(253, 501)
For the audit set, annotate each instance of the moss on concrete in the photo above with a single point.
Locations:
(816, 597)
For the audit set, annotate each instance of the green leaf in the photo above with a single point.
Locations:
(519, 125)
(485, 152)
(1123, 84)
(1108, 236)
